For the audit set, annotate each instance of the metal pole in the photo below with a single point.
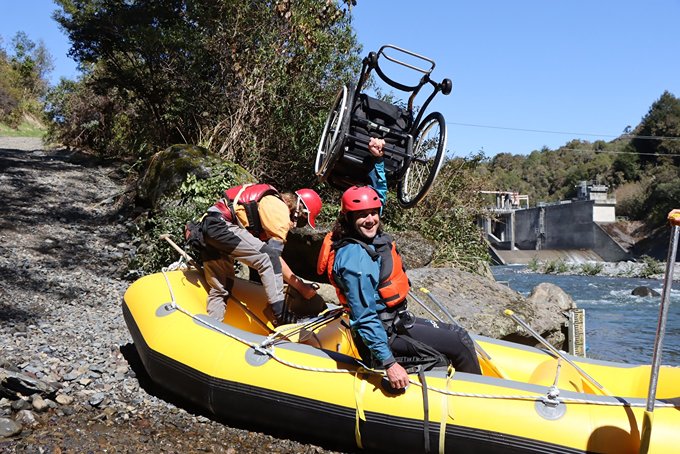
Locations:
(439, 305)
(424, 306)
(555, 351)
(663, 316)
(645, 438)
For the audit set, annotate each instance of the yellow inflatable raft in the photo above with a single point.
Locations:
(306, 379)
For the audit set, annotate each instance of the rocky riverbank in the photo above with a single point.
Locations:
(646, 269)
(70, 380)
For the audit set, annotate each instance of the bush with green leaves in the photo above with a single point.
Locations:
(174, 210)
(651, 267)
(23, 79)
(591, 269)
(556, 267)
(534, 264)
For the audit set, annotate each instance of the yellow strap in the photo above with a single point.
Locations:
(358, 398)
(445, 411)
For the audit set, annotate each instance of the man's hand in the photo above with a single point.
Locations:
(397, 376)
(375, 147)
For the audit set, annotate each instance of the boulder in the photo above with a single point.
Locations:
(415, 250)
(551, 305)
(478, 304)
(169, 168)
(644, 291)
(302, 250)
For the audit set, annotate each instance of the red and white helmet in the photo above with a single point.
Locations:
(358, 198)
(312, 203)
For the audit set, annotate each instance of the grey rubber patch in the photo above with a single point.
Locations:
(550, 410)
(165, 309)
(256, 358)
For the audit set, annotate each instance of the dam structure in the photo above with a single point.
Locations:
(572, 230)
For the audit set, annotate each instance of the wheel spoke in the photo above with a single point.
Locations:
(330, 135)
(423, 162)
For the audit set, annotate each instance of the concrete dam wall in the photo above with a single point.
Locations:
(562, 227)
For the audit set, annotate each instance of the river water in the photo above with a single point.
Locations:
(619, 326)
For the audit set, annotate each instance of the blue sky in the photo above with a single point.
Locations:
(525, 74)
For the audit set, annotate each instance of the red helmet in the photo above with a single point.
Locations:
(359, 198)
(312, 203)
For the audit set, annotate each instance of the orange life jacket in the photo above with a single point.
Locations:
(248, 196)
(393, 283)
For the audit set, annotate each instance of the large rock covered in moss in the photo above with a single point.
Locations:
(169, 168)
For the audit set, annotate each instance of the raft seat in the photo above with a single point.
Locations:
(333, 336)
(569, 379)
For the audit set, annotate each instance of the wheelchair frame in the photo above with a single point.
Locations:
(413, 154)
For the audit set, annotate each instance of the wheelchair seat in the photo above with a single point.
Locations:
(372, 117)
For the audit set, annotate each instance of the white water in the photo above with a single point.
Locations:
(619, 326)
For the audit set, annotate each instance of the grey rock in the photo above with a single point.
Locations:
(644, 291)
(478, 304)
(64, 399)
(26, 418)
(20, 404)
(96, 399)
(72, 375)
(38, 403)
(9, 428)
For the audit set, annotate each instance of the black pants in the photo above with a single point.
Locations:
(452, 341)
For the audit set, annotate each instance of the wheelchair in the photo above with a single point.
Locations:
(414, 146)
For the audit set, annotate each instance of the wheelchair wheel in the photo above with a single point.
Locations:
(424, 164)
(333, 135)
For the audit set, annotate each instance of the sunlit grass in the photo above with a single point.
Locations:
(25, 129)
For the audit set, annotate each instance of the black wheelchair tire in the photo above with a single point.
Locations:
(333, 134)
(423, 165)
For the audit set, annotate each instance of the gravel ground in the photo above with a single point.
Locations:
(70, 380)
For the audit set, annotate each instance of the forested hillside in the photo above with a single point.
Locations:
(641, 167)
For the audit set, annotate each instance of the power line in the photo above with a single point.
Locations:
(588, 150)
(622, 136)
(631, 152)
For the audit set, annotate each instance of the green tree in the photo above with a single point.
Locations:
(23, 78)
(663, 121)
(626, 167)
(33, 63)
(250, 80)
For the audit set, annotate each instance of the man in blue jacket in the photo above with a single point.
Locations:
(370, 278)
